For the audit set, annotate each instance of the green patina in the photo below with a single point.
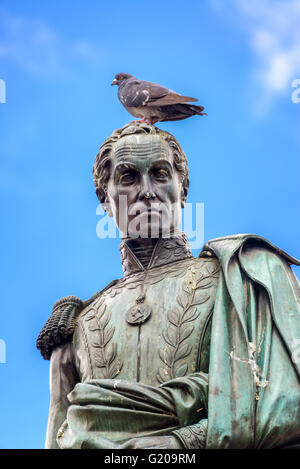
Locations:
(213, 364)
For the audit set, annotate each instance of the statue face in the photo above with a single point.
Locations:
(144, 192)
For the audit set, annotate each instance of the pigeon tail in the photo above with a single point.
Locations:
(178, 112)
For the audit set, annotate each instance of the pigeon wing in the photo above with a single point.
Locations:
(142, 93)
(180, 111)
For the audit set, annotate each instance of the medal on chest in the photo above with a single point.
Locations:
(140, 312)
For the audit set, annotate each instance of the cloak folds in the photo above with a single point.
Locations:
(254, 392)
(251, 396)
(104, 413)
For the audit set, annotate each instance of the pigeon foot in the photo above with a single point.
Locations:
(148, 121)
(138, 120)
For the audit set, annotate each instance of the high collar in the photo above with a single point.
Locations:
(166, 250)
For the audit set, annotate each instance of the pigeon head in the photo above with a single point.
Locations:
(121, 77)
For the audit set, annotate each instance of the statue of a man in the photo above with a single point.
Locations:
(181, 352)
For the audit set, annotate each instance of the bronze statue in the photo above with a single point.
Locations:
(181, 352)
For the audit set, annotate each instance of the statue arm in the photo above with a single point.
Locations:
(193, 436)
(63, 377)
(190, 437)
(190, 398)
(190, 394)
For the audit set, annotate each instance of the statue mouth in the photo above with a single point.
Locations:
(147, 223)
(148, 213)
(142, 209)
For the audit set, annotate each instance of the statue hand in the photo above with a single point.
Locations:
(153, 442)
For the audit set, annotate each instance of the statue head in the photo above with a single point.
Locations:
(141, 179)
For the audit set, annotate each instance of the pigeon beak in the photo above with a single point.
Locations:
(114, 82)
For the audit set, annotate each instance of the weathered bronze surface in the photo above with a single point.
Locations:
(181, 352)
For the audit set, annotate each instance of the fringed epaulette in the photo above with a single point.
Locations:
(59, 328)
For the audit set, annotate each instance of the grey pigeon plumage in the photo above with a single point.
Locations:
(153, 102)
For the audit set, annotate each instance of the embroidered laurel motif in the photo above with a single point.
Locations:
(180, 326)
(194, 436)
(106, 352)
(155, 275)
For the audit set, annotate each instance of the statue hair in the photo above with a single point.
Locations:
(101, 168)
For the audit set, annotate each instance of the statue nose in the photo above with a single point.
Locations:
(146, 191)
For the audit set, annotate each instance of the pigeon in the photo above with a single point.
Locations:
(152, 102)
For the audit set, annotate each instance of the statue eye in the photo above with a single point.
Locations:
(161, 174)
(128, 177)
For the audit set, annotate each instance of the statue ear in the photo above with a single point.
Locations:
(184, 194)
(103, 199)
(107, 208)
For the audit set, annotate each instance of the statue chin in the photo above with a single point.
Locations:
(150, 225)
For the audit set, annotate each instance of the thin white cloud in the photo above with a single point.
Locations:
(39, 50)
(274, 28)
(273, 31)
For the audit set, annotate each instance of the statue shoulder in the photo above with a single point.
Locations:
(225, 247)
(60, 326)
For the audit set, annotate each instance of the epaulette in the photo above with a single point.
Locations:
(226, 246)
(206, 253)
(59, 328)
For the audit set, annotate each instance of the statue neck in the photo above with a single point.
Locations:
(142, 248)
(144, 253)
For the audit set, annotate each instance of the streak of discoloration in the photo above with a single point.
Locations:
(259, 378)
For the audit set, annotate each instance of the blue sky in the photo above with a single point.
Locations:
(238, 58)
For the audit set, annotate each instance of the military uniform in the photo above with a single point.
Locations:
(154, 327)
